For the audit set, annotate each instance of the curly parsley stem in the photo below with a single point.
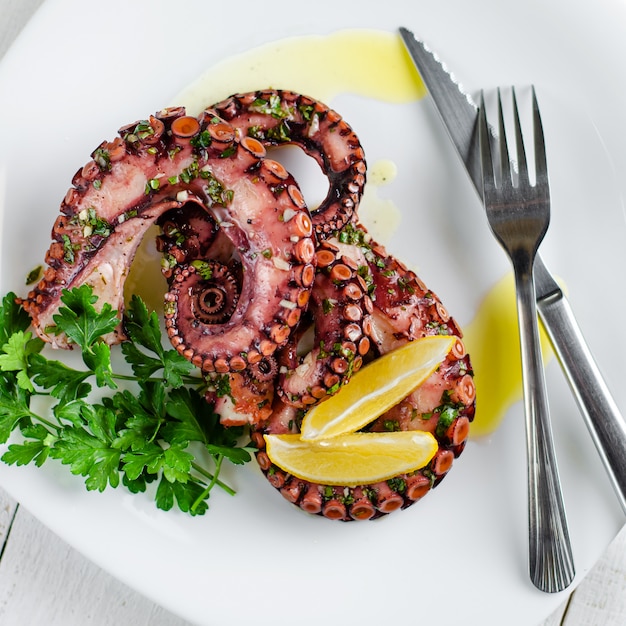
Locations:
(187, 380)
(214, 480)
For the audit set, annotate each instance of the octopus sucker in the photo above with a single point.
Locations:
(277, 305)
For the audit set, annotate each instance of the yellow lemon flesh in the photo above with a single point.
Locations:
(376, 388)
(353, 459)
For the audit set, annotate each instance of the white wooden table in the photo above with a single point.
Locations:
(45, 582)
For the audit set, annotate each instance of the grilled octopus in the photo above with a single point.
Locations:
(285, 301)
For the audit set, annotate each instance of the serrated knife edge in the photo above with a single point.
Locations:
(414, 45)
(455, 107)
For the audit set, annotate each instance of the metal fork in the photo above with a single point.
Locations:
(518, 214)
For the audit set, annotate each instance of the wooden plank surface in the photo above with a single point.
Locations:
(45, 582)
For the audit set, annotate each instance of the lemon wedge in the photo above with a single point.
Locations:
(352, 459)
(375, 388)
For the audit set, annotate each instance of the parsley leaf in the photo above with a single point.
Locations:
(98, 360)
(185, 495)
(144, 331)
(36, 449)
(143, 327)
(14, 357)
(148, 432)
(192, 415)
(238, 456)
(13, 318)
(88, 456)
(64, 382)
(89, 451)
(80, 321)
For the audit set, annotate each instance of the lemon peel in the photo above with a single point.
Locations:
(352, 459)
(376, 387)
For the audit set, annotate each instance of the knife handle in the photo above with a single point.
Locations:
(600, 411)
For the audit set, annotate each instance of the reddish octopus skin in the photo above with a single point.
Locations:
(279, 117)
(164, 163)
(400, 309)
(389, 304)
(404, 309)
(340, 308)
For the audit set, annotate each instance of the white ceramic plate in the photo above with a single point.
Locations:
(77, 73)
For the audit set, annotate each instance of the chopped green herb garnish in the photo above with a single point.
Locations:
(391, 426)
(102, 158)
(91, 224)
(33, 275)
(204, 269)
(447, 411)
(397, 484)
(190, 172)
(152, 185)
(228, 151)
(352, 235)
(279, 133)
(69, 249)
(307, 111)
(256, 132)
(405, 284)
(222, 386)
(272, 107)
(202, 140)
(215, 190)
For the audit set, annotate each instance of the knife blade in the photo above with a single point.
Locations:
(601, 413)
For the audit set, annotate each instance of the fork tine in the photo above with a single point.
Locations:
(505, 163)
(519, 216)
(522, 166)
(541, 166)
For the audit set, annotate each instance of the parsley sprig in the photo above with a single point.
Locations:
(157, 429)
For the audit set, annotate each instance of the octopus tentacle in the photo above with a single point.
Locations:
(401, 309)
(361, 508)
(339, 307)
(311, 500)
(165, 163)
(279, 117)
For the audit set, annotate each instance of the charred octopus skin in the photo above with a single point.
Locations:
(166, 162)
(402, 309)
(279, 117)
(340, 310)
(279, 304)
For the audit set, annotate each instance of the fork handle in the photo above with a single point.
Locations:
(600, 411)
(551, 563)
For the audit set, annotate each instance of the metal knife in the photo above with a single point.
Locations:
(600, 411)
